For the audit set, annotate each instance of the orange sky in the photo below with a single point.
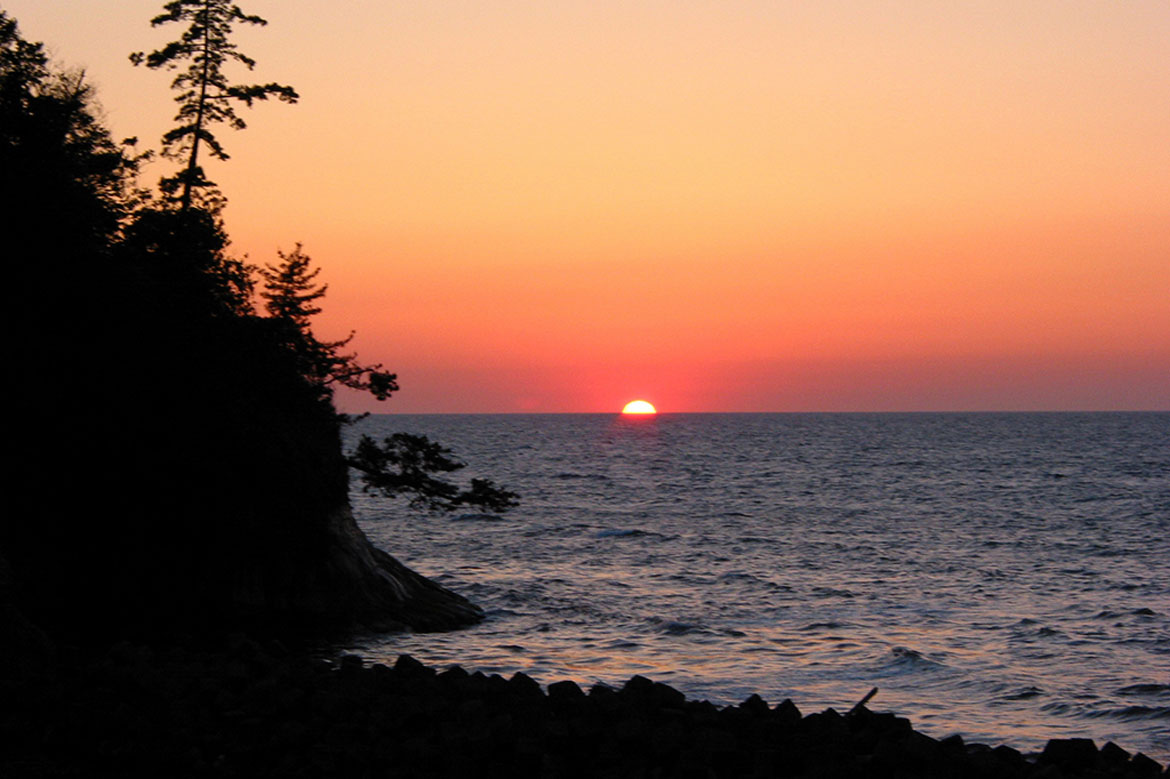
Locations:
(718, 206)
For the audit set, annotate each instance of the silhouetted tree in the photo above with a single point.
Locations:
(183, 258)
(403, 464)
(290, 293)
(183, 469)
(205, 95)
(65, 182)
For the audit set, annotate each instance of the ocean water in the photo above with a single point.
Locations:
(1001, 576)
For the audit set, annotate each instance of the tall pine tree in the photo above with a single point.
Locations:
(206, 97)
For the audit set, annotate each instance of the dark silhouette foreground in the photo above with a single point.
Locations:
(179, 475)
(253, 711)
(178, 463)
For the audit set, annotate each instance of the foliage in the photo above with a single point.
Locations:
(183, 255)
(403, 464)
(186, 465)
(186, 462)
(205, 96)
(66, 182)
(290, 294)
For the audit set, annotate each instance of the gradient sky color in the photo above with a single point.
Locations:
(715, 206)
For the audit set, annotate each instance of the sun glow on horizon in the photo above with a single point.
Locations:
(609, 170)
(639, 407)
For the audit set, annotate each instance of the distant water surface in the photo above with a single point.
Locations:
(1003, 576)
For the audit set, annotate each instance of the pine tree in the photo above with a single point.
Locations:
(206, 97)
(399, 465)
(290, 292)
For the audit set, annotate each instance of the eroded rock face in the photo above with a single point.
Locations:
(356, 585)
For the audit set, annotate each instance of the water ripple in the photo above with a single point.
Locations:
(1002, 575)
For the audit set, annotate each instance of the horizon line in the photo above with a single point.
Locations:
(696, 413)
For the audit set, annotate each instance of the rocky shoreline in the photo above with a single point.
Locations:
(248, 709)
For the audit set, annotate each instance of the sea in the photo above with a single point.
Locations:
(1003, 576)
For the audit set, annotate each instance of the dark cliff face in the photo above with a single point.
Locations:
(176, 473)
(197, 484)
(173, 470)
(190, 463)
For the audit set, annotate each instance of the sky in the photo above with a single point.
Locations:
(715, 205)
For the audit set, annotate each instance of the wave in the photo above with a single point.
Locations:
(832, 567)
(737, 577)
(902, 653)
(1132, 713)
(620, 643)
(831, 592)
(902, 659)
(624, 533)
(1145, 689)
(1030, 628)
(493, 613)
(822, 626)
(679, 628)
(1139, 612)
(477, 518)
(1141, 713)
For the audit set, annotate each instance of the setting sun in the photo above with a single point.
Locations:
(639, 407)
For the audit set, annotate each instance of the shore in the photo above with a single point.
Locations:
(249, 709)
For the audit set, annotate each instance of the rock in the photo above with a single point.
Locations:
(1010, 757)
(1141, 765)
(1071, 754)
(602, 693)
(407, 667)
(953, 744)
(701, 712)
(826, 727)
(454, 677)
(170, 713)
(1113, 756)
(922, 749)
(368, 587)
(1047, 771)
(525, 687)
(755, 705)
(664, 696)
(637, 686)
(787, 712)
(667, 738)
(350, 664)
(565, 691)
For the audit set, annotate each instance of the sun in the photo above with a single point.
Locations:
(639, 407)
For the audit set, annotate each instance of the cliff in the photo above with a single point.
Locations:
(178, 465)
